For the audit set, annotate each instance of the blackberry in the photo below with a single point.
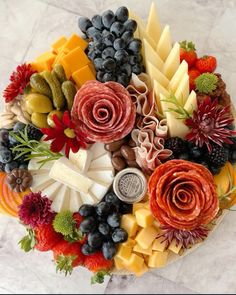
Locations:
(176, 145)
(219, 156)
(34, 133)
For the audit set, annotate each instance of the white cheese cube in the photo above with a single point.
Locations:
(104, 177)
(102, 162)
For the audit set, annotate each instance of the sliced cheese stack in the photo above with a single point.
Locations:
(84, 178)
(143, 249)
(168, 76)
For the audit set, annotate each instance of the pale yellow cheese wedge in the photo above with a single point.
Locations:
(175, 80)
(160, 93)
(164, 45)
(172, 62)
(156, 74)
(146, 236)
(151, 55)
(191, 103)
(158, 259)
(153, 27)
(176, 126)
(182, 91)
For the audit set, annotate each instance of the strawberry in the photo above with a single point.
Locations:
(78, 218)
(193, 74)
(99, 265)
(188, 53)
(206, 64)
(67, 256)
(46, 237)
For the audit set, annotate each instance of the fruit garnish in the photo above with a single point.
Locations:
(31, 148)
(67, 256)
(186, 238)
(46, 237)
(206, 64)
(19, 80)
(96, 262)
(28, 242)
(206, 83)
(67, 224)
(19, 180)
(209, 124)
(65, 134)
(226, 186)
(188, 52)
(35, 210)
(98, 277)
(179, 109)
(193, 74)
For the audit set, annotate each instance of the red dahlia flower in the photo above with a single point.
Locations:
(19, 80)
(209, 124)
(65, 134)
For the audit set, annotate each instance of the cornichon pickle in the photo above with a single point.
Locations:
(60, 73)
(57, 95)
(38, 83)
(69, 91)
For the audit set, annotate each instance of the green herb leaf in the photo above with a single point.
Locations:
(98, 277)
(33, 148)
(28, 242)
(179, 109)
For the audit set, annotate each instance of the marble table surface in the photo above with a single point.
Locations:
(27, 29)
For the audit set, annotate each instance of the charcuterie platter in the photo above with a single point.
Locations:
(117, 147)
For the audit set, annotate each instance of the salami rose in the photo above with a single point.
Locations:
(105, 111)
(183, 195)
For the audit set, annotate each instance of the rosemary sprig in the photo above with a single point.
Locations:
(179, 109)
(31, 148)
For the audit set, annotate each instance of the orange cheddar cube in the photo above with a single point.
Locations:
(56, 46)
(59, 57)
(73, 42)
(75, 59)
(44, 62)
(82, 75)
(38, 66)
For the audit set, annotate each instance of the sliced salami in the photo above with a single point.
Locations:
(183, 195)
(104, 110)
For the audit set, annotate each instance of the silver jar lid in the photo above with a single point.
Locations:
(130, 185)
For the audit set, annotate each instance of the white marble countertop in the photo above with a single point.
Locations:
(27, 28)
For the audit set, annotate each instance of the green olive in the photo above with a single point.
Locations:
(38, 103)
(39, 120)
(50, 115)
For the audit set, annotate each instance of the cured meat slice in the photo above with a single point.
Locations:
(104, 110)
(183, 195)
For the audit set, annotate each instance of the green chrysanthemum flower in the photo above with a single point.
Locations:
(206, 83)
(64, 223)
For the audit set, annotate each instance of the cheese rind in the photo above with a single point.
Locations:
(67, 173)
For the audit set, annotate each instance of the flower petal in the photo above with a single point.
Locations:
(58, 144)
